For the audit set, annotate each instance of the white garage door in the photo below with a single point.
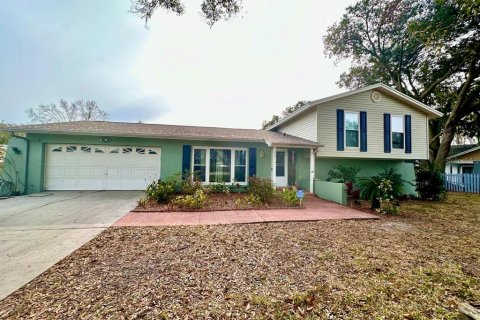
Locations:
(98, 167)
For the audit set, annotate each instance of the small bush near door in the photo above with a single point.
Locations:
(289, 196)
(262, 188)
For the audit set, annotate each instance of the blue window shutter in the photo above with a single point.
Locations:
(186, 158)
(340, 132)
(387, 133)
(408, 133)
(252, 162)
(363, 131)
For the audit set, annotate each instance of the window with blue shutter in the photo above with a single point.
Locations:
(340, 130)
(387, 142)
(408, 133)
(363, 131)
(186, 158)
(252, 162)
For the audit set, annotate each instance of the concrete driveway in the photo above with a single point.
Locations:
(37, 231)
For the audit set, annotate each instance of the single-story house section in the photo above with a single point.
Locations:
(371, 128)
(463, 159)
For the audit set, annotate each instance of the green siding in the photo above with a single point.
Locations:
(369, 168)
(302, 168)
(171, 153)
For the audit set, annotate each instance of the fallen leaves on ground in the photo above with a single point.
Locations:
(417, 265)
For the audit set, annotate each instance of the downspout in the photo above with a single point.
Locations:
(25, 185)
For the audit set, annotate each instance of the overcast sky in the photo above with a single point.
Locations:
(179, 71)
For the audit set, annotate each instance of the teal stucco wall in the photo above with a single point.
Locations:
(331, 191)
(369, 167)
(171, 153)
(14, 168)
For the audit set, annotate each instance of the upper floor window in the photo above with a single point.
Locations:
(351, 129)
(397, 132)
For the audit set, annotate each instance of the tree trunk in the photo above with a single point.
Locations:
(447, 138)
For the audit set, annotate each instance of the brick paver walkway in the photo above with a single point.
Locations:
(315, 209)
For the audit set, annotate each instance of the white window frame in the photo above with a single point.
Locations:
(232, 163)
(345, 129)
(403, 127)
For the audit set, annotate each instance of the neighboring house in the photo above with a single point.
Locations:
(463, 159)
(372, 128)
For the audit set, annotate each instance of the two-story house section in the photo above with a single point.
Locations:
(371, 128)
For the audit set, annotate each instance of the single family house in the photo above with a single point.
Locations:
(372, 128)
(463, 159)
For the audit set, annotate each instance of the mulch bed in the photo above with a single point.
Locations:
(219, 202)
(417, 265)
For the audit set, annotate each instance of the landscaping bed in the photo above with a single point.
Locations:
(219, 202)
(418, 264)
(260, 193)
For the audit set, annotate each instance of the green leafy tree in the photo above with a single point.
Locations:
(429, 50)
(4, 136)
(212, 11)
(288, 110)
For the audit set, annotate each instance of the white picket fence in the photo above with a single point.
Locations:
(466, 182)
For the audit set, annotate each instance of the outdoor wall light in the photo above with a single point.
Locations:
(16, 150)
(261, 153)
(103, 139)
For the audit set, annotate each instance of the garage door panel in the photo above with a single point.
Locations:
(56, 160)
(96, 167)
(85, 172)
(98, 172)
(113, 173)
(139, 173)
(126, 172)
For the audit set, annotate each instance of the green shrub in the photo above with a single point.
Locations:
(161, 191)
(343, 174)
(388, 203)
(191, 202)
(289, 196)
(191, 183)
(430, 183)
(263, 188)
(219, 188)
(142, 202)
(396, 179)
(249, 200)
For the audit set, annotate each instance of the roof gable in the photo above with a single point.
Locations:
(432, 113)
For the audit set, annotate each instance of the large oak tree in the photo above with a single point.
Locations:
(427, 49)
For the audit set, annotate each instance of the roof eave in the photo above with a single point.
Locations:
(82, 133)
(463, 153)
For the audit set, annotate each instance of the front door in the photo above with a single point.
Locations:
(282, 169)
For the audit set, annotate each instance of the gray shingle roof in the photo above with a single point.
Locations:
(461, 149)
(165, 131)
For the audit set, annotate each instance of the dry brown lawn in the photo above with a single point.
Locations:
(417, 265)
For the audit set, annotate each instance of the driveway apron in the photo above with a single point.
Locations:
(37, 231)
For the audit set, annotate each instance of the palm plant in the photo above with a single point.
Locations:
(369, 189)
